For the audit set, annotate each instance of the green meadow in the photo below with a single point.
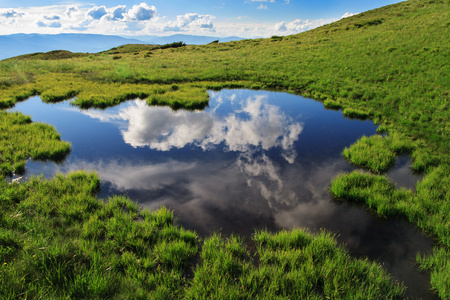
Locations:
(389, 65)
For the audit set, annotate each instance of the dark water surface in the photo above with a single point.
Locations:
(252, 160)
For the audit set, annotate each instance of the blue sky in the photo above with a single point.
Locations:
(244, 18)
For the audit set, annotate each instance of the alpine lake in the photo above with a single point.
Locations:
(250, 160)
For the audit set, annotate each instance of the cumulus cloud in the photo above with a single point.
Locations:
(45, 23)
(100, 19)
(52, 21)
(348, 14)
(11, 13)
(281, 26)
(191, 20)
(118, 12)
(298, 26)
(52, 18)
(141, 12)
(110, 14)
(117, 19)
(139, 19)
(80, 26)
(70, 10)
(257, 30)
(97, 12)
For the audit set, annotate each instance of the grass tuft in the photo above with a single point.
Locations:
(331, 104)
(377, 153)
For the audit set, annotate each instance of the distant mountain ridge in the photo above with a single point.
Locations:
(188, 39)
(19, 44)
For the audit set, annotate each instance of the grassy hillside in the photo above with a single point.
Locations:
(390, 65)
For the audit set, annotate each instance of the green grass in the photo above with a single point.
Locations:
(287, 265)
(58, 241)
(355, 113)
(331, 104)
(378, 153)
(20, 139)
(389, 65)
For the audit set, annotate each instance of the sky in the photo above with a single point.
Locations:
(219, 18)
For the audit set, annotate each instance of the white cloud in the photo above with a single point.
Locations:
(70, 10)
(114, 20)
(80, 26)
(281, 26)
(52, 18)
(68, 18)
(11, 13)
(262, 7)
(141, 12)
(189, 21)
(247, 29)
(97, 12)
(118, 12)
(140, 19)
(51, 24)
(298, 26)
(348, 14)
(51, 21)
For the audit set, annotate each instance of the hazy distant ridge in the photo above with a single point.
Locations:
(188, 39)
(18, 44)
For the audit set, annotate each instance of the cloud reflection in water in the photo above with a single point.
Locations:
(206, 194)
(256, 124)
(250, 130)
